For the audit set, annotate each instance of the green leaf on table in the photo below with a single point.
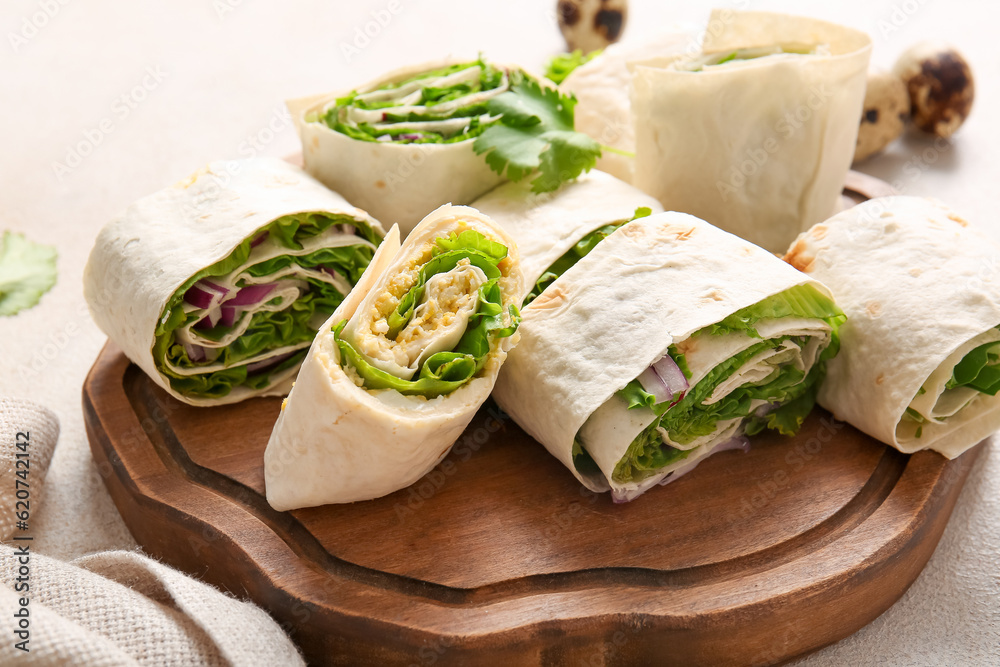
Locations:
(27, 271)
(535, 133)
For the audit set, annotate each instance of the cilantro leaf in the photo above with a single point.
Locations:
(27, 271)
(535, 134)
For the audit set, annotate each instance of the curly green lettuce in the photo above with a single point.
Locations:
(444, 372)
(267, 330)
(792, 390)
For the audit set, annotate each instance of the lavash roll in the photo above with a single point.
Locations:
(759, 147)
(143, 257)
(547, 225)
(656, 282)
(396, 182)
(920, 288)
(337, 441)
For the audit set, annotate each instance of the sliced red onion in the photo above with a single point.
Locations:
(664, 380)
(332, 272)
(205, 294)
(409, 137)
(210, 320)
(251, 295)
(257, 241)
(195, 353)
(264, 364)
(228, 317)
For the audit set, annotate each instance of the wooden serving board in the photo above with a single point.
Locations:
(499, 556)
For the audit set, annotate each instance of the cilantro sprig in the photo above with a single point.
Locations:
(535, 134)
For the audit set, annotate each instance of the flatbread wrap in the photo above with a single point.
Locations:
(441, 132)
(919, 366)
(667, 342)
(402, 366)
(756, 133)
(554, 230)
(216, 286)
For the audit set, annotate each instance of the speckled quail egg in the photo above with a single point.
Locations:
(589, 25)
(939, 82)
(887, 105)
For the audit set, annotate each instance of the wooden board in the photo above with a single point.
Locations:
(499, 556)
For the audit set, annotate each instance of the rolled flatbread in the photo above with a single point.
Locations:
(919, 366)
(549, 227)
(601, 87)
(216, 286)
(756, 133)
(664, 344)
(402, 366)
(385, 149)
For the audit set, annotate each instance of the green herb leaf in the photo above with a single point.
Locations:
(535, 133)
(27, 271)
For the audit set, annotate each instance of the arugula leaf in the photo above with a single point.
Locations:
(27, 271)
(535, 134)
(978, 369)
(562, 65)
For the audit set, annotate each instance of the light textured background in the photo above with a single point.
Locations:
(225, 67)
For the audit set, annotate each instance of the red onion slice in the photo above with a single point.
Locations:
(195, 353)
(257, 241)
(664, 380)
(210, 320)
(228, 317)
(205, 294)
(251, 295)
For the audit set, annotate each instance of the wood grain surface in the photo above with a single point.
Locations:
(499, 556)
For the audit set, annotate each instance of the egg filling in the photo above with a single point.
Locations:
(435, 323)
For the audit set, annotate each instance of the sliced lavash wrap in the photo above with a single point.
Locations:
(216, 286)
(554, 230)
(919, 366)
(757, 132)
(402, 366)
(400, 178)
(711, 314)
(601, 87)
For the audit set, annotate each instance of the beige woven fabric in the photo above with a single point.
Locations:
(41, 429)
(115, 607)
(121, 608)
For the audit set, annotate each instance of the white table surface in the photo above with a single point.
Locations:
(158, 89)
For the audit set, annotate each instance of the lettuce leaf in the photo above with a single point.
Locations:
(446, 371)
(267, 330)
(799, 301)
(689, 418)
(562, 65)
